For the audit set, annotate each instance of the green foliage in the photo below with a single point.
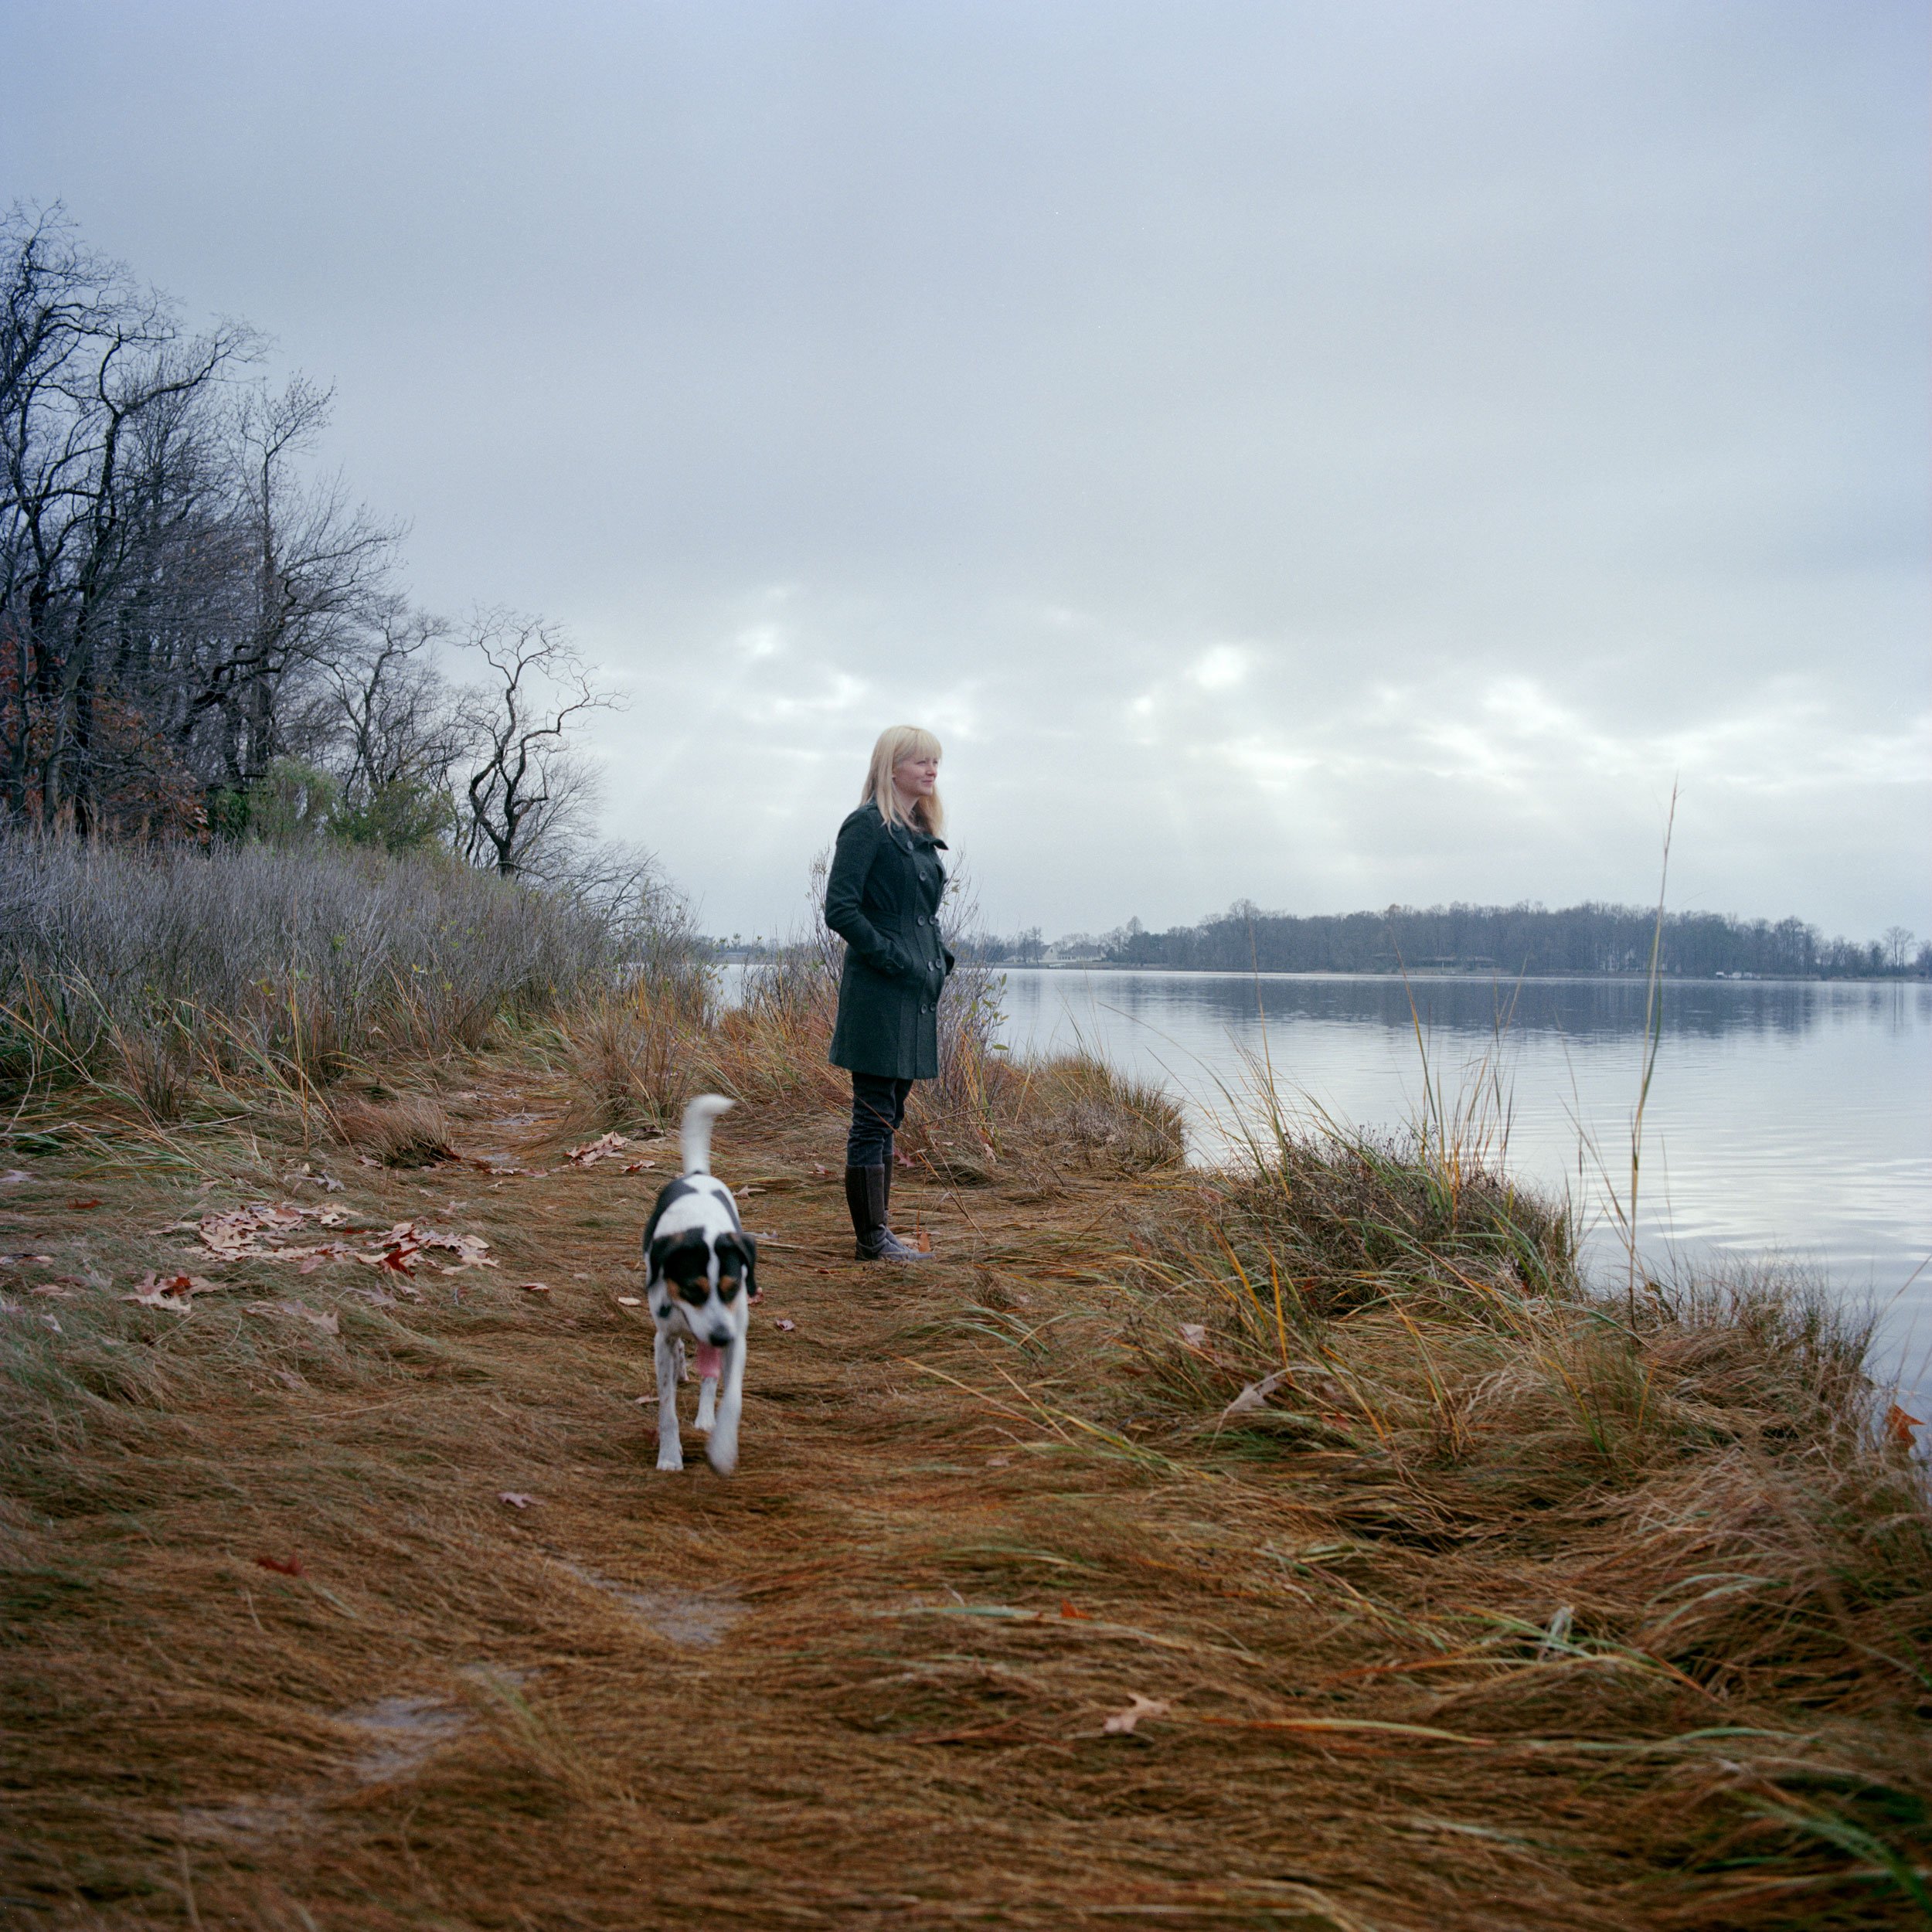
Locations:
(409, 815)
(293, 804)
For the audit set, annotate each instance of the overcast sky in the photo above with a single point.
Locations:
(1325, 454)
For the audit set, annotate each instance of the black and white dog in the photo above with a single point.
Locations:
(699, 1280)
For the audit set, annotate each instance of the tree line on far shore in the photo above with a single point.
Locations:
(202, 635)
(1507, 940)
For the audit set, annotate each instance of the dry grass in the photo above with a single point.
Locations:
(409, 1130)
(1490, 1611)
(168, 973)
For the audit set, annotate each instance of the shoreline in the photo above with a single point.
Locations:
(1637, 978)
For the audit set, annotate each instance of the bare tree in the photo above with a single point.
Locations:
(92, 368)
(320, 571)
(527, 790)
(194, 622)
(398, 733)
(1898, 947)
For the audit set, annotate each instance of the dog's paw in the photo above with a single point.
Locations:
(721, 1451)
(670, 1459)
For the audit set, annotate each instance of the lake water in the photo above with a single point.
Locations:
(1786, 1119)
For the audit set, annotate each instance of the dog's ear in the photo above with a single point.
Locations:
(655, 1252)
(734, 1265)
(751, 1266)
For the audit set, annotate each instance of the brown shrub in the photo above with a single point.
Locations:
(409, 1130)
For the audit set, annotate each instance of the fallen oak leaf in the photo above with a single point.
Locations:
(534, 1287)
(515, 1497)
(1068, 1610)
(1255, 1396)
(630, 1300)
(13, 1176)
(325, 1319)
(606, 1147)
(309, 1259)
(638, 1167)
(174, 1292)
(237, 1232)
(1122, 1722)
(77, 1206)
(1194, 1333)
(282, 1565)
(397, 1247)
(783, 1326)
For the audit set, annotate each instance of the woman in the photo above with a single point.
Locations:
(881, 898)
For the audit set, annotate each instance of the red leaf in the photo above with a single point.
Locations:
(77, 1205)
(1067, 1610)
(1898, 1426)
(282, 1565)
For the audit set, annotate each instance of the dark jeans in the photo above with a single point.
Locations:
(878, 1105)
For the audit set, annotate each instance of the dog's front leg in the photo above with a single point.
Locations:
(670, 1363)
(707, 1406)
(721, 1449)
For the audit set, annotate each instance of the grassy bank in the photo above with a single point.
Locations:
(1299, 1544)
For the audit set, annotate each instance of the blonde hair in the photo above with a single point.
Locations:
(897, 743)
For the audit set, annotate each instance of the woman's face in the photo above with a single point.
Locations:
(916, 777)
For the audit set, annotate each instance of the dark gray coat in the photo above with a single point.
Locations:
(882, 898)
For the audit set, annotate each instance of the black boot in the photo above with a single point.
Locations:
(867, 1191)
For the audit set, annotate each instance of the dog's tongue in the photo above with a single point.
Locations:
(710, 1361)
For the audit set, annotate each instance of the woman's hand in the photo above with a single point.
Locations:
(894, 961)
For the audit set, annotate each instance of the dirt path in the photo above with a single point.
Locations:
(283, 1656)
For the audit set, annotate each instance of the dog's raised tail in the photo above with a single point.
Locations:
(695, 1135)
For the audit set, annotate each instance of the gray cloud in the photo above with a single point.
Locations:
(1332, 453)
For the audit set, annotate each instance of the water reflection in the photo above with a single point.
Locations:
(1579, 1008)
